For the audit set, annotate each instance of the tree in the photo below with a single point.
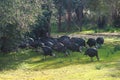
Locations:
(60, 9)
(64, 6)
(101, 23)
(116, 14)
(79, 7)
(68, 5)
(47, 13)
(10, 33)
(10, 36)
(42, 27)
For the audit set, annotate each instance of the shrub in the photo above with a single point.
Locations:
(9, 37)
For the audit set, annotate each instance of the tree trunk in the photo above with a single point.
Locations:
(59, 21)
(49, 29)
(68, 20)
(3, 47)
(69, 15)
(79, 16)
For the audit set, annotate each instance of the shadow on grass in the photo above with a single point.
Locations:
(34, 61)
(13, 60)
(58, 64)
(54, 63)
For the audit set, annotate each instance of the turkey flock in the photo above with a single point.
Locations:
(64, 45)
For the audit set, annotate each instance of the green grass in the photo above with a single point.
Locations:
(86, 29)
(29, 65)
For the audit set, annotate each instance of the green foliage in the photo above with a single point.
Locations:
(117, 48)
(10, 37)
(40, 28)
(116, 19)
(23, 11)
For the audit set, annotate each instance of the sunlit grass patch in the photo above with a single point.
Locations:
(112, 39)
(88, 32)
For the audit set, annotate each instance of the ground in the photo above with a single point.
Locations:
(29, 66)
(73, 72)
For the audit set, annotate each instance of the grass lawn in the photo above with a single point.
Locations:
(29, 65)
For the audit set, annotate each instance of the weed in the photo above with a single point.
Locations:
(98, 67)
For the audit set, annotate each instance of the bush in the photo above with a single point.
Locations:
(10, 37)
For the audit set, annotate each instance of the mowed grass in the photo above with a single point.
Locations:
(29, 65)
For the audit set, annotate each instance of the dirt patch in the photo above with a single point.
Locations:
(95, 35)
(92, 35)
